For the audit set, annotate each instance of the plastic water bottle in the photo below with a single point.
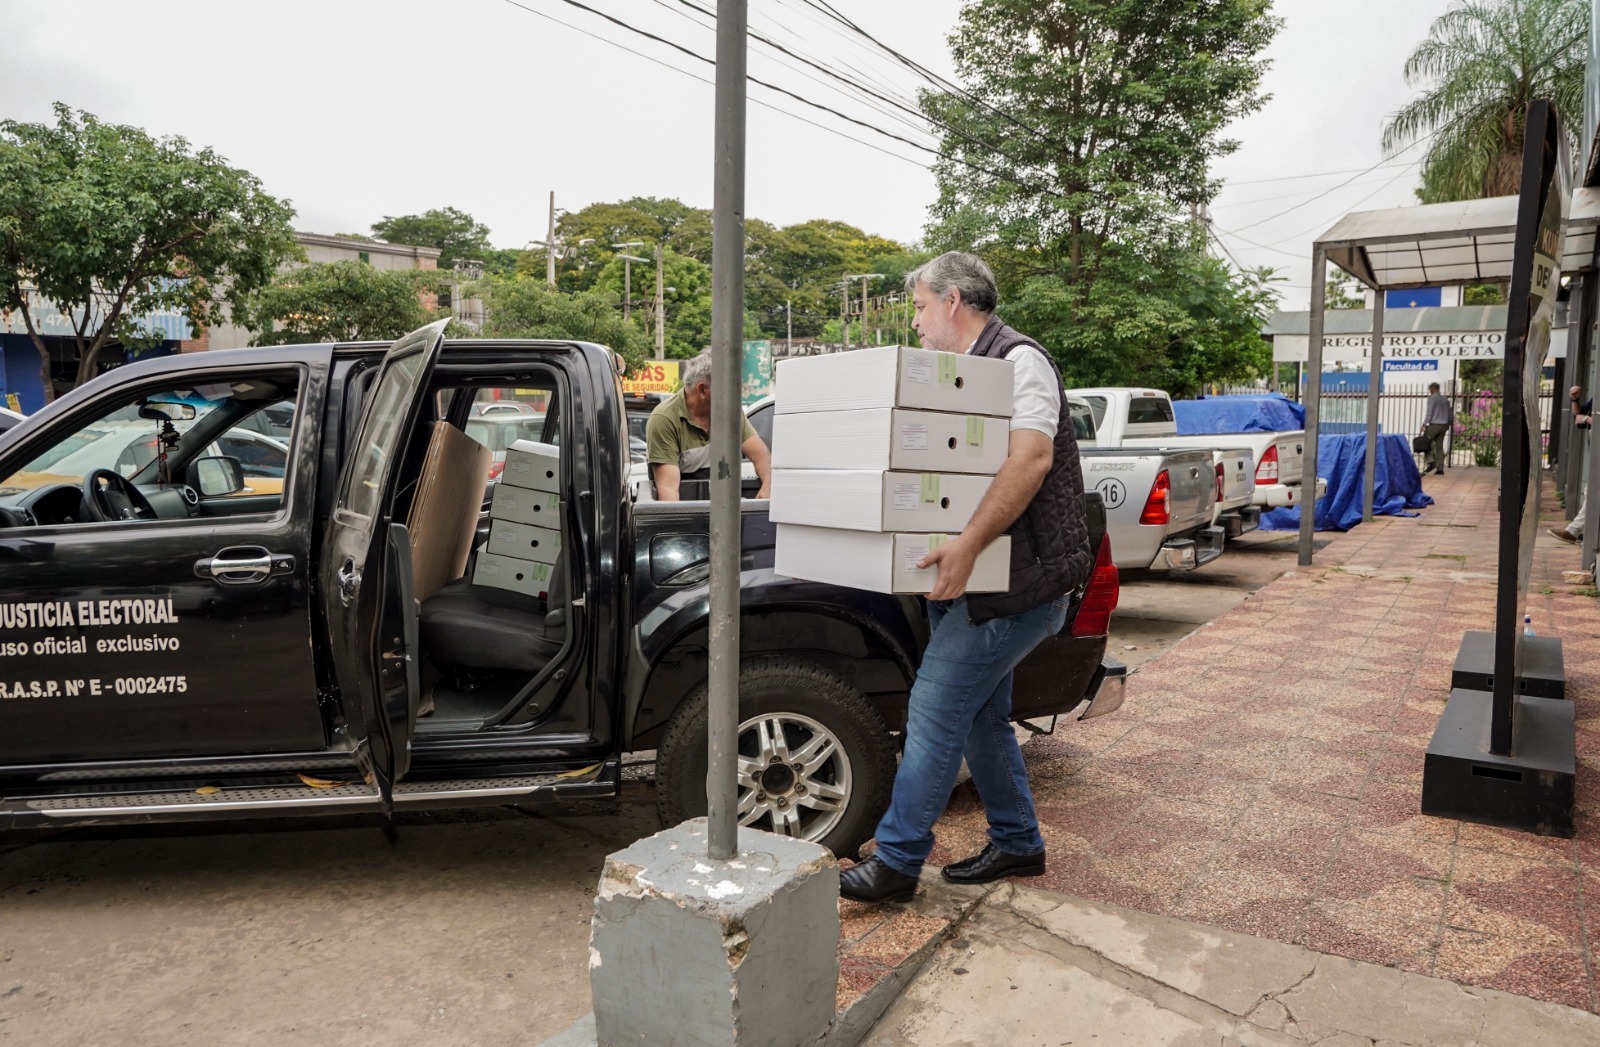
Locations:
(1527, 625)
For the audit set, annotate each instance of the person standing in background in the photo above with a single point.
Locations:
(1435, 423)
(1582, 418)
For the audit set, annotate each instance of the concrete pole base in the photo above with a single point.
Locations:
(692, 951)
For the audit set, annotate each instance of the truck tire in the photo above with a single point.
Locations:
(815, 759)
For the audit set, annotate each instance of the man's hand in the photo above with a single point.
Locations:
(955, 560)
(1575, 393)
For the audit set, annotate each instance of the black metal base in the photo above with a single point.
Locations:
(1544, 675)
(1531, 790)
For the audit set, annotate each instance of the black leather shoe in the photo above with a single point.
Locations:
(992, 864)
(875, 881)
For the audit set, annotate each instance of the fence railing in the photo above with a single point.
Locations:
(1474, 437)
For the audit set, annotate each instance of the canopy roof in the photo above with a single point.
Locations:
(1466, 242)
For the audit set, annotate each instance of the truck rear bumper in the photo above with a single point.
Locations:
(1277, 496)
(1195, 550)
(1108, 691)
(1240, 521)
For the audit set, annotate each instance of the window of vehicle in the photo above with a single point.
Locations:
(1097, 406)
(1082, 421)
(1148, 409)
(205, 416)
(500, 416)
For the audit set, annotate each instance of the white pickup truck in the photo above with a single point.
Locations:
(1144, 418)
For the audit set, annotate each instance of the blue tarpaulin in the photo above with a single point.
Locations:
(1341, 460)
(1238, 414)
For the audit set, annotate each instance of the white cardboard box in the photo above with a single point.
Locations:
(865, 500)
(533, 465)
(520, 505)
(881, 563)
(896, 376)
(507, 572)
(523, 541)
(904, 441)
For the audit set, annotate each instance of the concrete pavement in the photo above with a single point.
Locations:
(1038, 968)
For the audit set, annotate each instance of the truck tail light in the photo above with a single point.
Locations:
(1158, 507)
(1100, 598)
(1267, 471)
(1222, 478)
(495, 469)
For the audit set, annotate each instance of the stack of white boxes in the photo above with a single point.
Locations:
(878, 455)
(524, 521)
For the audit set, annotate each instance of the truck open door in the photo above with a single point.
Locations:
(365, 573)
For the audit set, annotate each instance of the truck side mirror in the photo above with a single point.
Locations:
(216, 477)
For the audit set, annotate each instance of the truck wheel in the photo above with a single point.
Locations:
(815, 759)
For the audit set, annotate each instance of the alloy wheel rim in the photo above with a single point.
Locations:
(794, 776)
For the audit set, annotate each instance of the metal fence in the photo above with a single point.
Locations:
(1474, 438)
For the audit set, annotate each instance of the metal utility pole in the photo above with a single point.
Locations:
(627, 287)
(550, 245)
(661, 306)
(727, 344)
(863, 277)
(788, 321)
(844, 313)
(1374, 385)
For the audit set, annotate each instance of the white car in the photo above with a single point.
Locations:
(9, 418)
(127, 447)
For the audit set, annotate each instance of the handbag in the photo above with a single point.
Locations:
(1420, 444)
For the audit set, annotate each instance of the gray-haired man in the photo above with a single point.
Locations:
(1435, 423)
(678, 436)
(961, 701)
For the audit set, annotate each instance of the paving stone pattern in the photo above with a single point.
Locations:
(1265, 774)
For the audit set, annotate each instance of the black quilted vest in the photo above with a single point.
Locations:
(1050, 552)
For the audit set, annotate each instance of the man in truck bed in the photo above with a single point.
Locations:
(961, 701)
(679, 436)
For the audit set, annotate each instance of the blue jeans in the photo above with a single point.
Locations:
(961, 705)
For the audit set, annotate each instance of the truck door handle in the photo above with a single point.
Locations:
(248, 565)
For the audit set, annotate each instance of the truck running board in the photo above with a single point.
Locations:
(593, 782)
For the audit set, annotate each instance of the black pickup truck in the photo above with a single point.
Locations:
(187, 633)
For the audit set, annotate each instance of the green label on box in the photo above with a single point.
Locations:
(974, 430)
(947, 369)
(930, 487)
(936, 540)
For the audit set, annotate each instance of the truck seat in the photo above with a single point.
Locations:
(482, 627)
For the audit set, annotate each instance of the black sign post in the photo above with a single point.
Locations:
(1504, 750)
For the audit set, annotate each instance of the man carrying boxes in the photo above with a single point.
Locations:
(984, 616)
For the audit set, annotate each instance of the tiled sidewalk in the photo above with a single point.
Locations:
(1265, 774)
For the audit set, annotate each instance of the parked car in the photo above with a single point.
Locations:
(220, 657)
(1134, 417)
(129, 448)
(8, 418)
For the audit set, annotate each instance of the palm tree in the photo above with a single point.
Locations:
(1483, 62)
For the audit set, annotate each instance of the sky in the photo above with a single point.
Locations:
(358, 109)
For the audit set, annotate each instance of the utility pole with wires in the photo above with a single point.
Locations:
(863, 277)
(661, 306)
(550, 245)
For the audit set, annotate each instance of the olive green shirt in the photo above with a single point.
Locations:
(673, 439)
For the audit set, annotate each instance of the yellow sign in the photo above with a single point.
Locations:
(653, 376)
(14, 403)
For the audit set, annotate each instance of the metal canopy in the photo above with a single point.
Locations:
(1466, 242)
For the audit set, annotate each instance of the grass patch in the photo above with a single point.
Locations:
(1546, 591)
(1459, 557)
(1586, 590)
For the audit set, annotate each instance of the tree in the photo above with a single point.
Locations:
(524, 307)
(455, 233)
(111, 224)
(1342, 292)
(1076, 150)
(1483, 62)
(346, 301)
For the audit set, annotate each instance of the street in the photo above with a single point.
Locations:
(472, 928)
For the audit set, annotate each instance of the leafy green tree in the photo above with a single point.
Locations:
(524, 307)
(111, 224)
(455, 233)
(686, 301)
(1342, 292)
(346, 301)
(1075, 150)
(1482, 64)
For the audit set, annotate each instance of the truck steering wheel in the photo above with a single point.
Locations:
(109, 496)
